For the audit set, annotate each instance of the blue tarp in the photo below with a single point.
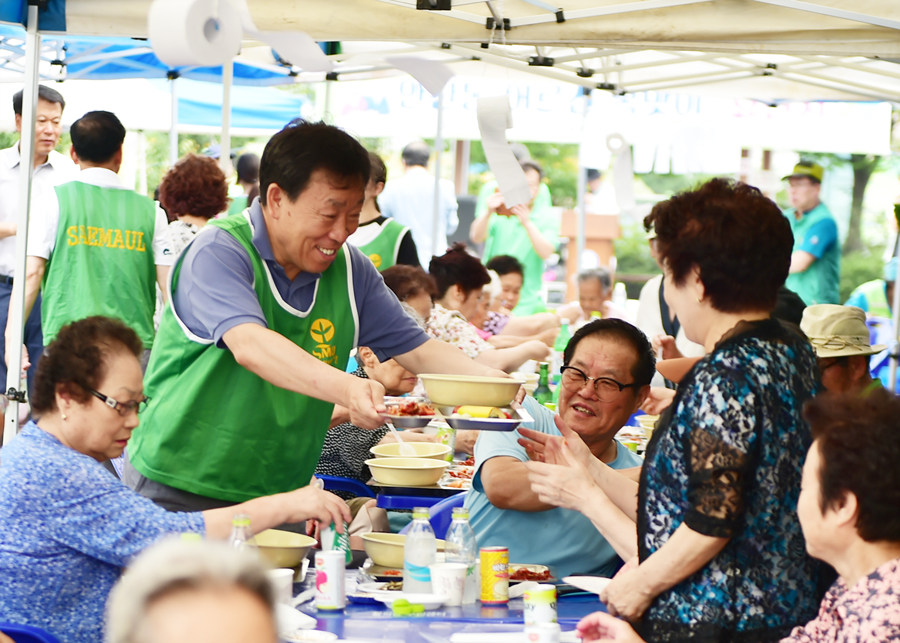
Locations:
(52, 18)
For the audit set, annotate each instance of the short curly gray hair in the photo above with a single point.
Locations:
(172, 565)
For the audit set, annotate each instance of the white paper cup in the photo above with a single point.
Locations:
(282, 581)
(448, 580)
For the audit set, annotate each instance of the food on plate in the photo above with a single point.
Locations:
(525, 572)
(394, 585)
(469, 462)
(410, 408)
(468, 410)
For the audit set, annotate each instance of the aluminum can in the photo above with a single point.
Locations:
(330, 594)
(447, 435)
(542, 633)
(540, 604)
(331, 539)
(494, 575)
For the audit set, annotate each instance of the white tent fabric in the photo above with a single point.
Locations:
(767, 49)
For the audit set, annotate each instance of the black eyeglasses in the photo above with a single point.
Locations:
(122, 408)
(606, 388)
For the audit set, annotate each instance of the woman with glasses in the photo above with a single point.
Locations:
(67, 526)
(720, 552)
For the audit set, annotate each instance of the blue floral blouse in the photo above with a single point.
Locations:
(67, 528)
(726, 460)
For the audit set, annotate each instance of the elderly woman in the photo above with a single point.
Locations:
(848, 512)
(413, 286)
(720, 548)
(69, 527)
(193, 191)
(460, 280)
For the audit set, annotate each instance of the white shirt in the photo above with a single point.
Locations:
(410, 200)
(58, 169)
(649, 320)
(44, 225)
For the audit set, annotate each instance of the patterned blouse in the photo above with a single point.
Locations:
(726, 460)
(346, 450)
(67, 528)
(868, 611)
(452, 327)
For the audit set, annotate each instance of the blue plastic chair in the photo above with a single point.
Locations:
(27, 633)
(440, 515)
(337, 483)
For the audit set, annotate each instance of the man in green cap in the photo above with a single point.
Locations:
(816, 260)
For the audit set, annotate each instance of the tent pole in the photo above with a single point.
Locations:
(438, 147)
(26, 170)
(225, 142)
(580, 240)
(173, 127)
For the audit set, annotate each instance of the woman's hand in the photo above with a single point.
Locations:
(494, 202)
(541, 447)
(665, 348)
(311, 503)
(600, 626)
(627, 594)
(563, 486)
(658, 400)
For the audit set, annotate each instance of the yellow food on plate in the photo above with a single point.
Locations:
(469, 410)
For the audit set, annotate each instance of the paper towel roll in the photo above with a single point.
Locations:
(194, 32)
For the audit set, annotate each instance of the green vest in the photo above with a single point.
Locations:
(218, 430)
(102, 261)
(385, 247)
(820, 283)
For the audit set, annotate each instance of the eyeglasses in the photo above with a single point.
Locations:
(122, 408)
(605, 388)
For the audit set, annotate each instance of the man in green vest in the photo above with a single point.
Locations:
(816, 261)
(265, 308)
(96, 247)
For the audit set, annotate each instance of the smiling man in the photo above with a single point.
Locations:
(49, 168)
(606, 377)
(266, 305)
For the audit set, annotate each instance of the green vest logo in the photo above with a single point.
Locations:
(376, 259)
(322, 332)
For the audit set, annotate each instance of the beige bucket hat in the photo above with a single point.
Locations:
(837, 331)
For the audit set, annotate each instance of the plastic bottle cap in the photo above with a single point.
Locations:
(460, 512)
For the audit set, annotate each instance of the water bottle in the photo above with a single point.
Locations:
(559, 347)
(418, 553)
(461, 547)
(240, 531)
(542, 392)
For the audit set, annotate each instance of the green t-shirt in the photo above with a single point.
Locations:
(506, 236)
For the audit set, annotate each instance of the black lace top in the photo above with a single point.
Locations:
(726, 460)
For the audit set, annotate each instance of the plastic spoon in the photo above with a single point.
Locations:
(405, 448)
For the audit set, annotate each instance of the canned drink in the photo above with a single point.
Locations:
(330, 594)
(330, 539)
(542, 633)
(494, 575)
(447, 435)
(540, 604)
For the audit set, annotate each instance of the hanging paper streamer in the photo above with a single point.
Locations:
(431, 74)
(204, 33)
(494, 118)
(296, 47)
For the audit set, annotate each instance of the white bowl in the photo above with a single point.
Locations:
(477, 390)
(387, 549)
(407, 472)
(432, 450)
